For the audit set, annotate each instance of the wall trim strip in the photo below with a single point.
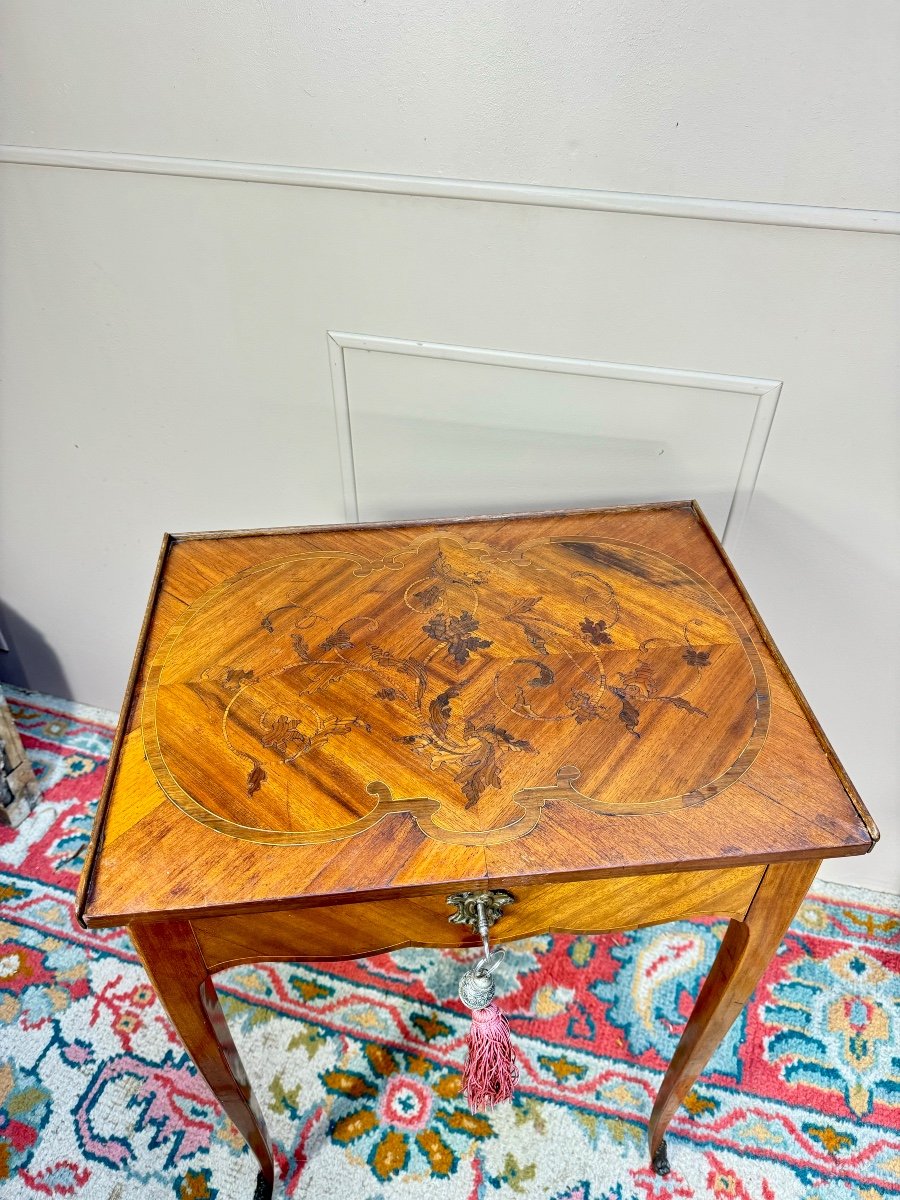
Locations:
(703, 208)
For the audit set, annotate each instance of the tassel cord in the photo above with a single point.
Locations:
(490, 1073)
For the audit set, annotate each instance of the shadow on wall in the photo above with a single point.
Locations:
(26, 660)
(830, 586)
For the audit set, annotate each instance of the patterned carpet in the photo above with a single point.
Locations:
(357, 1065)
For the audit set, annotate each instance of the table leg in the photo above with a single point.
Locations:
(746, 950)
(185, 988)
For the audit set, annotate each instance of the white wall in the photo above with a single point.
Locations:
(165, 349)
(795, 103)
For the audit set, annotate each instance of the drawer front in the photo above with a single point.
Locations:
(370, 926)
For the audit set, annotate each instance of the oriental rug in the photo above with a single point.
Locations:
(357, 1065)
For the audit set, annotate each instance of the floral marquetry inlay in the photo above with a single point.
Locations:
(465, 685)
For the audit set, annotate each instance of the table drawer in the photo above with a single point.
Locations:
(351, 930)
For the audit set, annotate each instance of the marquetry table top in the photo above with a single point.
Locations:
(324, 712)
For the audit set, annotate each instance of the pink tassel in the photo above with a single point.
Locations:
(490, 1073)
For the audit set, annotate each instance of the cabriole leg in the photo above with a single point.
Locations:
(185, 988)
(746, 950)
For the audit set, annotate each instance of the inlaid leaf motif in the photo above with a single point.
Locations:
(629, 713)
(480, 769)
(255, 779)
(284, 735)
(268, 624)
(535, 638)
(458, 634)
(444, 575)
(413, 739)
(442, 568)
(641, 678)
(505, 738)
(233, 680)
(696, 658)
(595, 632)
(428, 595)
(411, 667)
(584, 708)
(519, 616)
(301, 647)
(545, 676)
(336, 641)
(439, 712)
(281, 732)
(330, 727)
(342, 638)
(475, 766)
(640, 686)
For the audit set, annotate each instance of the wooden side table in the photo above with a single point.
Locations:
(330, 730)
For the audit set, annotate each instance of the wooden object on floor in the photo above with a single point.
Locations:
(330, 730)
(19, 791)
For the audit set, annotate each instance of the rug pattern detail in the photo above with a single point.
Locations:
(357, 1065)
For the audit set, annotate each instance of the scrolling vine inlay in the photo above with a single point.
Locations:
(462, 684)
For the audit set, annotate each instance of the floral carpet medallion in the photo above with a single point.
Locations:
(357, 1065)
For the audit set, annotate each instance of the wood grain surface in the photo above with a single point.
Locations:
(320, 715)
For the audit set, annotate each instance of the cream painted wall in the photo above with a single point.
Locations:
(756, 101)
(165, 345)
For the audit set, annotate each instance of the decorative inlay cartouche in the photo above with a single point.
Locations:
(463, 685)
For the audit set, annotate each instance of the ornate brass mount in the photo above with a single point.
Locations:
(480, 910)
